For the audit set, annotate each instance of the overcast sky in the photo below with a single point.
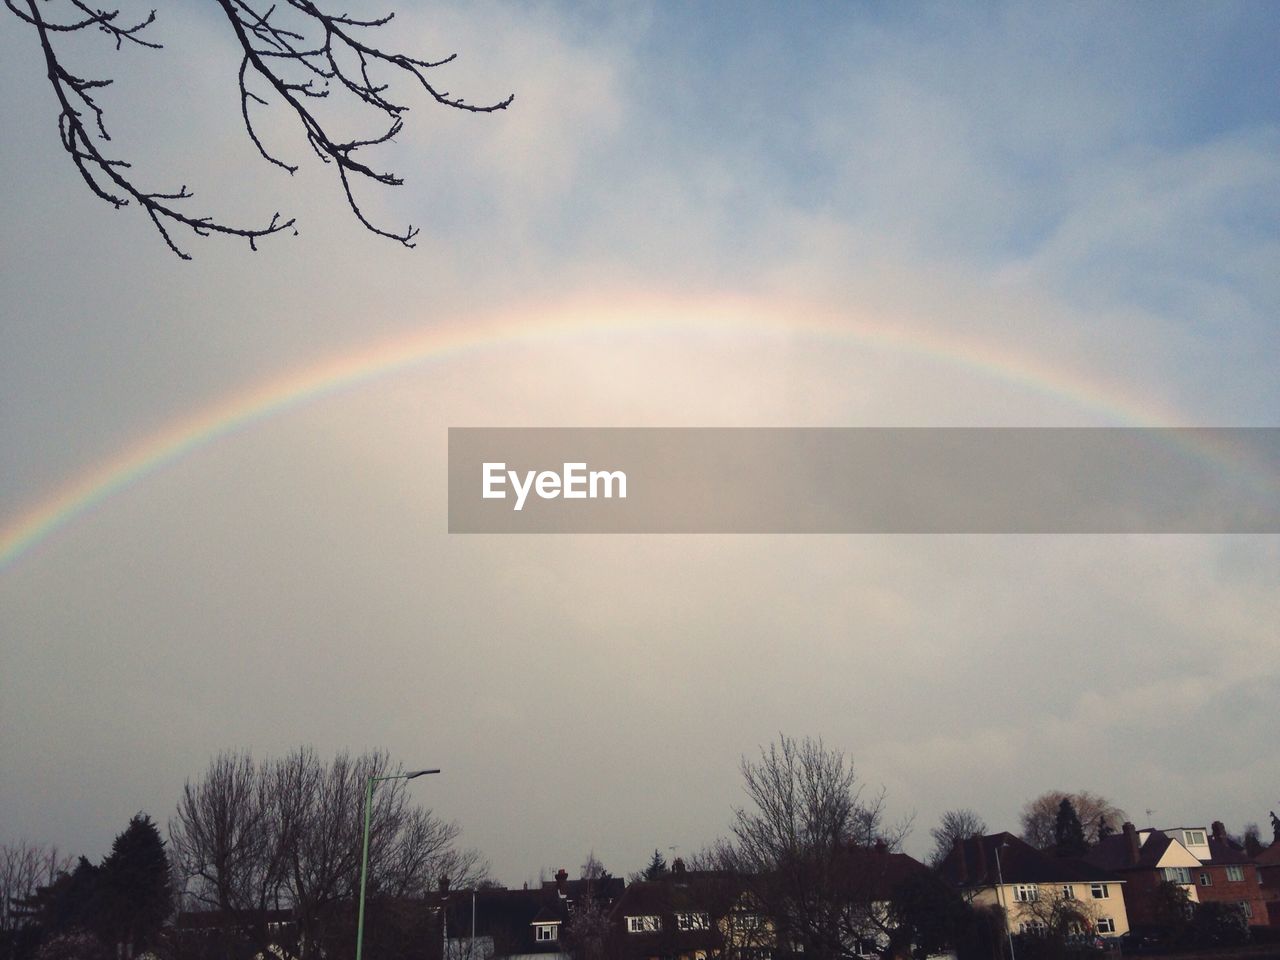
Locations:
(692, 215)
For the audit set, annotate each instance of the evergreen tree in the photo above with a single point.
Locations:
(1068, 832)
(657, 868)
(68, 904)
(135, 889)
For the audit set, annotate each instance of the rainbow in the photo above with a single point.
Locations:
(724, 318)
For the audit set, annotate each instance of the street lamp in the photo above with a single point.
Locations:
(364, 859)
(1000, 877)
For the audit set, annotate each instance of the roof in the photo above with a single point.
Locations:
(1222, 852)
(1112, 853)
(1002, 857)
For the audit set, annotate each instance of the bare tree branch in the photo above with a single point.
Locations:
(298, 60)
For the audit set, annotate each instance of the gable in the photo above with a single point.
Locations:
(1176, 855)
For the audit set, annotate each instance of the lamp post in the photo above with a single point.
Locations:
(364, 858)
(999, 898)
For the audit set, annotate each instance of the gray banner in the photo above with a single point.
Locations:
(855, 480)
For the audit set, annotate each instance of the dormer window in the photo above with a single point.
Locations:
(546, 932)
(693, 921)
(1193, 838)
(645, 924)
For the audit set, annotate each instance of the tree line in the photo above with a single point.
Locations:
(252, 841)
(265, 855)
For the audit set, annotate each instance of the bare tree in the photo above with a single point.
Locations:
(291, 52)
(799, 847)
(24, 868)
(1040, 816)
(230, 841)
(288, 833)
(954, 825)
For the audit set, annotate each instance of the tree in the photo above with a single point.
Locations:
(792, 849)
(68, 906)
(1275, 828)
(657, 867)
(1040, 816)
(928, 915)
(1068, 834)
(954, 825)
(24, 868)
(290, 51)
(250, 837)
(134, 888)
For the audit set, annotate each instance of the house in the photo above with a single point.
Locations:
(1146, 859)
(688, 915)
(501, 924)
(1268, 865)
(1204, 862)
(1226, 873)
(1040, 894)
(873, 875)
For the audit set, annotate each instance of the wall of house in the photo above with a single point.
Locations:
(1113, 906)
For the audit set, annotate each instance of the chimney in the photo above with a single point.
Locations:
(1219, 831)
(1131, 843)
(677, 866)
(981, 877)
(881, 847)
(562, 878)
(962, 868)
(444, 885)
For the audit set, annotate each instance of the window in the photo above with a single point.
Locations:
(648, 924)
(1068, 892)
(1035, 927)
(1193, 838)
(1206, 880)
(748, 921)
(1177, 874)
(1026, 893)
(693, 921)
(1247, 909)
(1099, 891)
(542, 932)
(1106, 925)
(1235, 874)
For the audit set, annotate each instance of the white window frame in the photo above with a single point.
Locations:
(1180, 875)
(693, 921)
(647, 923)
(1068, 892)
(1206, 878)
(1100, 891)
(1037, 928)
(1105, 925)
(1026, 893)
(1235, 873)
(546, 932)
(1194, 838)
(1247, 909)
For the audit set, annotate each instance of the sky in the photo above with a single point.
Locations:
(222, 482)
